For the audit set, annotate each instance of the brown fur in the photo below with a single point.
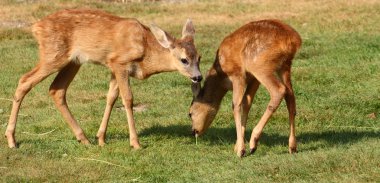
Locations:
(128, 48)
(258, 52)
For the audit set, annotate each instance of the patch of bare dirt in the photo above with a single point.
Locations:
(13, 24)
(136, 107)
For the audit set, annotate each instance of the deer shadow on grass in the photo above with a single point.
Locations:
(218, 136)
(215, 136)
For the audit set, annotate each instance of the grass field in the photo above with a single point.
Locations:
(336, 77)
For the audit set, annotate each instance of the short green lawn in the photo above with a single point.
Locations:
(335, 76)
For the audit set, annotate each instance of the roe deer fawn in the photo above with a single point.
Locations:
(258, 52)
(128, 48)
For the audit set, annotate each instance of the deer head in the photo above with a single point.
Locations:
(202, 111)
(183, 54)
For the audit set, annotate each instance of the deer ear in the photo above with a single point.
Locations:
(188, 29)
(196, 88)
(162, 37)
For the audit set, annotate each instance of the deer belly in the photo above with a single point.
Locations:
(81, 57)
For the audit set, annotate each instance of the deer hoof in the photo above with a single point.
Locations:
(11, 141)
(252, 150)
(136, 146)
(12, 146)
(84, 141)
(292, 150)
(101, 141)
(242, 153)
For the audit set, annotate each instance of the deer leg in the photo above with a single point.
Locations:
(238, 94)
(247, 101)
(276, 90)
(291, 105)
(58, 91)
(122, 79)
(26, 83)
(112, 95)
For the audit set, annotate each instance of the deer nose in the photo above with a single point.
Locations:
(197, 79)
(195, 132)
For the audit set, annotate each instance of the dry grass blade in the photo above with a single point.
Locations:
(19, 115)
(40, 134)
(135, 179)
(23, 115)
(102, 161)
(357, 127)
(6, 99)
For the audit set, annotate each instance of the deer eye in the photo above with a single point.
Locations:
(184, 61)
(189, 115)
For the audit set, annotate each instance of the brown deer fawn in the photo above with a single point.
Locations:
(128, 48)
(258, 52)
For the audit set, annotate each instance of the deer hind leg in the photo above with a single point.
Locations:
(277, 91)
(239, 87)
(112, 95)
(291, 105)
(58, 91)
(26, 83)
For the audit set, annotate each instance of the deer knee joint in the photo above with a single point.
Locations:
(57, 95)
(16, 99)
(236, 106)
(52, 92)
(271, 108)
(112, 97)
(128, 103)
(282, 91)
(21, 91)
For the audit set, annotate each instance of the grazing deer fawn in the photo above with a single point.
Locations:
(128, 48)
(258, 52)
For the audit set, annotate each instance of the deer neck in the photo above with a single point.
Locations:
(214, 88)
(157, 59)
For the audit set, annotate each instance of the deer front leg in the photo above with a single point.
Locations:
(112, 95)
(238, 94)
(122, 79)
(250, 93)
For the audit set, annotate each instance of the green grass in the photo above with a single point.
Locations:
(335, 76)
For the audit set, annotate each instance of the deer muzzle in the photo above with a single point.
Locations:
(196, 79)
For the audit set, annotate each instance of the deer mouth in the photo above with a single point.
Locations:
(195, 133)
(196, 79)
